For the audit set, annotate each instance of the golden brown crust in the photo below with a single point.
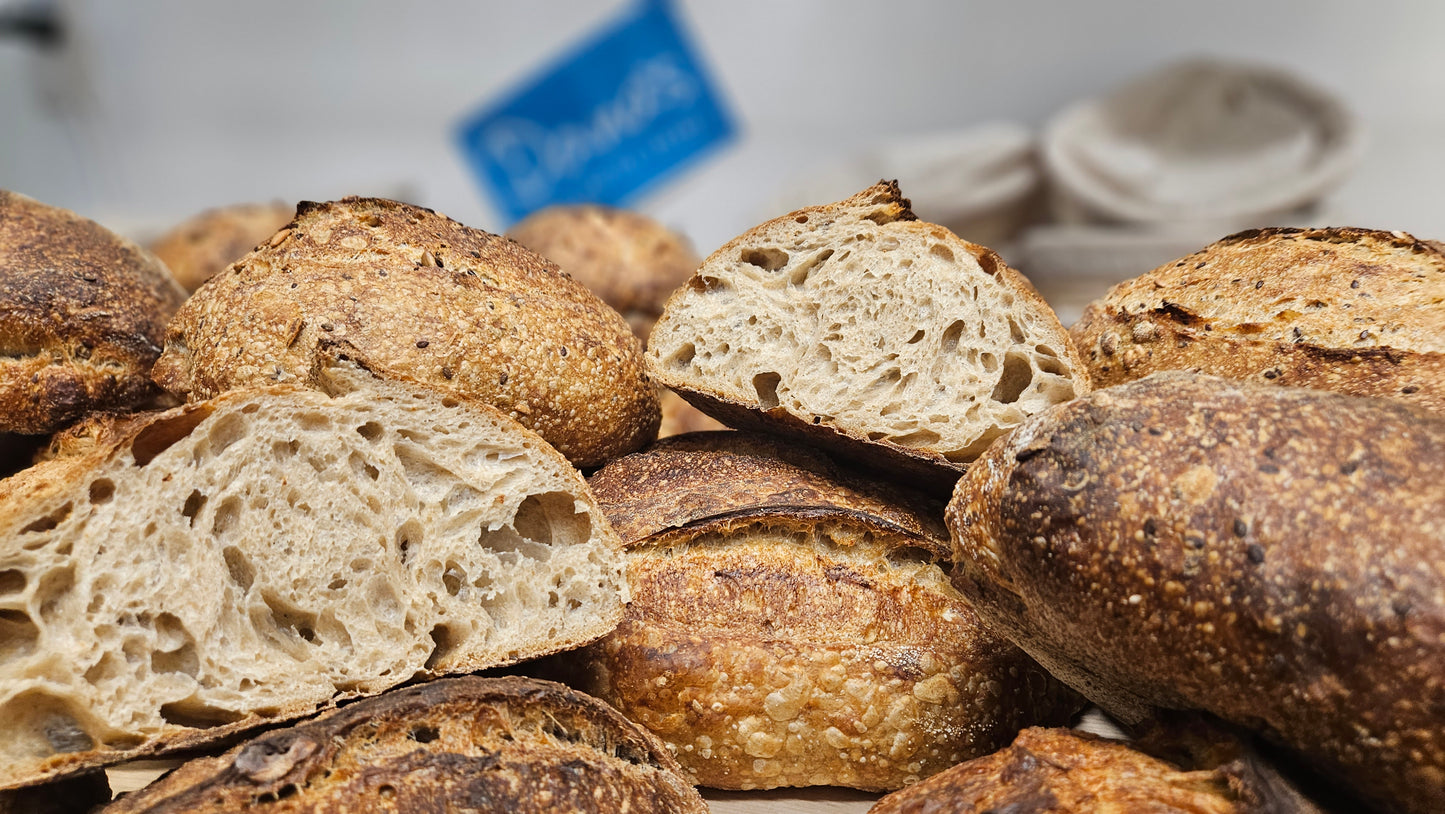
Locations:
(1270, 555)
(1351, 310)
(82, 316)
(200, 247)
(1060, 771)
(790, 629)
(686, 480)
(628, 259)
(419, 297)
(488, 744)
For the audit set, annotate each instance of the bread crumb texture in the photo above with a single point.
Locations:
(263, 554)
(1356, 311)
(782, 633)
(82, 315)
(1275, 556)
(461, 744)
(857, 319)
(416, 296)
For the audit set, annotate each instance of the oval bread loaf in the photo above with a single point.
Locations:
(264, 554)
(420, 297)
(791, 625)
(1275, 556)
(1351, 310)
(82, 316)
(858, 327)
(459, 744)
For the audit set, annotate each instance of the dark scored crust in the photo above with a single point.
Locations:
(1356, 311)
(1275, 556)
(791, 626)
(1050, 771)
(509, 744)
(420, 297)
(82, 316)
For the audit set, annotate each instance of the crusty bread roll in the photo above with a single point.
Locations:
(257, 556)
(198, 248)
(628, 259)
(422, 298)
(1062, 771)
(82, 314)
(791, 625)
(1352, 310)
(1274, 556)
(856, 326)
(460, 744)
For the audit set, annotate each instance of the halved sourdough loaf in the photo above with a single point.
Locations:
(263, 554)
(857, 326)
(792, 624)
(514, 745)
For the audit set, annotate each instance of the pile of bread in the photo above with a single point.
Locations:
(278, 525)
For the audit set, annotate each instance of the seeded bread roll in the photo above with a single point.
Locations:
(200, 247)
(1356, 311)
(82, 315)
(461, 744)
(261, 555)
(628, 259)
(858, 327)
(1274, 556)
(422, 298)
(792, 625)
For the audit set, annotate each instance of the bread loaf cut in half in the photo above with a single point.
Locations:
(793, 625)
(458, 744)
(1274, 556)
(263, 554)
(856, 326)
(200, 247)
(82, 316)
(1356, 311)
(420, 297)
(628, 259)
(1052, 771)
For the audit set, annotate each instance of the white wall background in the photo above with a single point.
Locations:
(157, 109)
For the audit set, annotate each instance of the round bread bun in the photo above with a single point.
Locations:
(82, 316)
(198, 248)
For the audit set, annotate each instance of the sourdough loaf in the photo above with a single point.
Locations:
(792, 625)
(198, 248)
(1274, 556)
(1352, 310)
(858, 327)
(628, 259)
(82, 314)
(420, 297)
(266, 553)
(506, 745)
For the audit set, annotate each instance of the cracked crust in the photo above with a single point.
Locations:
(1355, 311)
(82, 316)
(1274, 556)
(419, 297)
(792, 625)
(495, 744)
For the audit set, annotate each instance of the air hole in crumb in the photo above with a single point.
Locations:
(408, 535)
(238, 568)
(989, 361)
(766, 386)
(766, 259)
(942, 252)
(386, 792)
(454, 577)
(951, 334)
(12, 581)
(101, 491)
(162, 434)
(684, 355)
(1016, 333)
(424, 734)
(336, 584)
(918, 439)
(1051, 364)
(370, 430)
(194, 502)
(250, 408)
(194, 715)
(801, 219)
(48, 522)
(1016, 376)
(444, 643)
(225, 516)
(918, 337)
(18, 633)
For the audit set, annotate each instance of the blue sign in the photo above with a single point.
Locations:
(622, 111)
